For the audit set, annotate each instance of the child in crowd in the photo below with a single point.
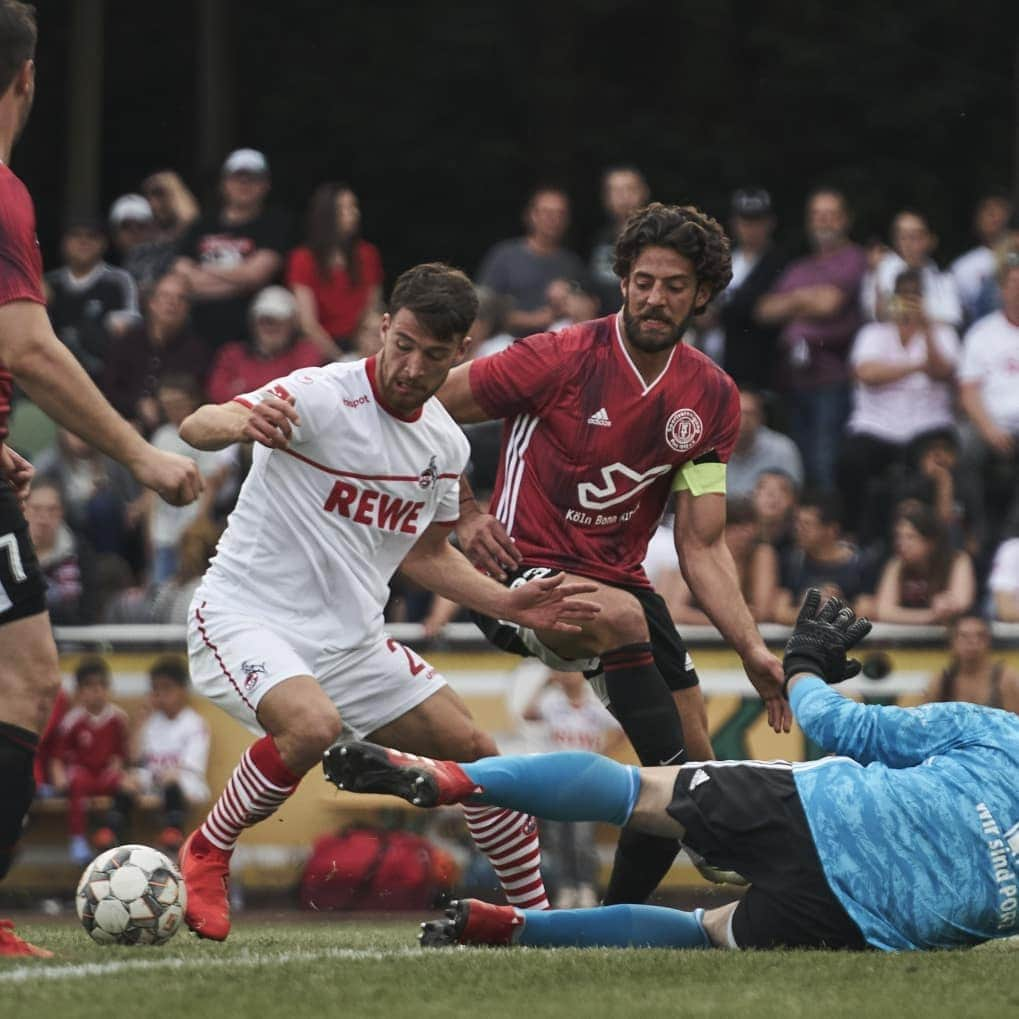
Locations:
(92, 748)
(172, 749)
(574, 719)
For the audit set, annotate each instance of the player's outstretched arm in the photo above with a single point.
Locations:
(710, 572)
(458, 397)
(898, 737)
(51, 376)
(218, 425)
(543, 604)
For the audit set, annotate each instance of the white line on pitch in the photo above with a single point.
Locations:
(36, 973)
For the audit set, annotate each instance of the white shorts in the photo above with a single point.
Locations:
(236, 659)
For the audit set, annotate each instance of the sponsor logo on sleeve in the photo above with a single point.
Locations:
(252, 671)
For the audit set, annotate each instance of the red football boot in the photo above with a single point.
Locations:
(472, 922)
(11, 944)
(367, 768)
(206, 872)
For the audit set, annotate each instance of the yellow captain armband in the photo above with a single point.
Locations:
(700, 479)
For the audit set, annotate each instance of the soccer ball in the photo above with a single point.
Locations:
(131, 895)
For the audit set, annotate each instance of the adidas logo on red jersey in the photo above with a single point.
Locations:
(600, 418)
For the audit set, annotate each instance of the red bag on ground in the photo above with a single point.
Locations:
(372, 869)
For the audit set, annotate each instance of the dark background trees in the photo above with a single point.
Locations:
(443, 116)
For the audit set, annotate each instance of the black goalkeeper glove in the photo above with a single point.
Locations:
(821, 638)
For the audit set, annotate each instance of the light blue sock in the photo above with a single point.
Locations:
(613, 927)
(570, 786)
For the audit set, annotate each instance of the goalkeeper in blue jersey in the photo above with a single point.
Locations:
(907, 839)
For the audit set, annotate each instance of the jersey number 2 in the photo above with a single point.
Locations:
(416, 665)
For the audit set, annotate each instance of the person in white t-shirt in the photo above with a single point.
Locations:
(573, 718)
(1003, 582)
(172, 749)
(913, 244)
(989, 394)
(355, 473)
(904, 370)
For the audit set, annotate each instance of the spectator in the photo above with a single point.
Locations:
(759, 448)
(277, 348)
(904, 369)
(173, 205)
(162, 343)
(989, 394)
(369, 335)
(488, 333)
(751, 347)
(817, 303)
(574, 719)
(234, 253)
(1003, 582)
(624, 191)
(87, 299)
(335, 276)
(179, 396)
(977, 266)
(774, 499)
(523, 268)
(914, 243)
(571, 301)
(133, 229)
(172, 749)
(928, 473)
(67, 562)
(971, 675)
(101, 498)
(92, 750)
(926, 581)
(820, 558)
(756, 563)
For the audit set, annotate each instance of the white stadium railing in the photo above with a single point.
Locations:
(467, 635)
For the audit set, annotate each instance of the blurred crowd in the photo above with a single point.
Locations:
(879, 382)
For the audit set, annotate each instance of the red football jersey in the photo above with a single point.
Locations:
(20, 264)
(92, 741)
(590, 451)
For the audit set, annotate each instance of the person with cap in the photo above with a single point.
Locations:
(235, 252)
(136, 241)
(277, 348)
(88, 299)
(750, 346)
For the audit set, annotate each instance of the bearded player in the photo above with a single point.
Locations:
(355, 474)
(44, 368)
(604, 421)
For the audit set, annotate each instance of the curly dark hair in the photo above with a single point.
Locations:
(688, 231)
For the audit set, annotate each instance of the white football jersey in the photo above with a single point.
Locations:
(320, 528)
(178, 744)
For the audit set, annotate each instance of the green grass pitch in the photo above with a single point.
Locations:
(350, 969)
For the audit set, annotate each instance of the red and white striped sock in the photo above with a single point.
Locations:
(510, 841)
(259, 784)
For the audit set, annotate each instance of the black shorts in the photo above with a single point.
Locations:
(22, 585)
(670, 653)
(747, 816)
